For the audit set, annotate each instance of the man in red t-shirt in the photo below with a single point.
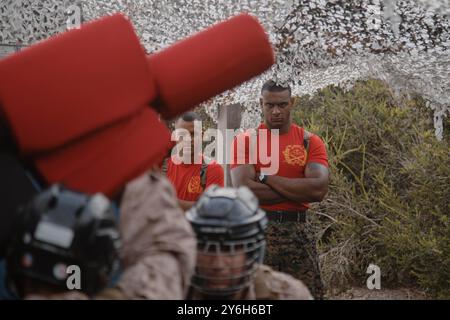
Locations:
(189, 178)
(302, 177)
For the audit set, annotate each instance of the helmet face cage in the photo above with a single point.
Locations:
(230, 229)
(77, 229)
(226, 267)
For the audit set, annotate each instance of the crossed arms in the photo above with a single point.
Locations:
(312, 188)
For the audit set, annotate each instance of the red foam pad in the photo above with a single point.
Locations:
(71, 84)
(208, 63)
(107, 161)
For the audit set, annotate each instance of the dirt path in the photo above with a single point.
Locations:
(382, 294)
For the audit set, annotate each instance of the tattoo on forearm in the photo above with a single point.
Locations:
(317, 166)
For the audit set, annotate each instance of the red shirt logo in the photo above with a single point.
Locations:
(295, 155)
(194, 185)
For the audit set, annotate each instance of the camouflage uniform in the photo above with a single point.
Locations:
(269, 284)
(291, 248)
(159, 246)
(273, 285)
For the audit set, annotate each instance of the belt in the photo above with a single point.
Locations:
(286, 216)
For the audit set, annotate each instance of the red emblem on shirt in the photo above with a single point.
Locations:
(194, 185)
(295, 155)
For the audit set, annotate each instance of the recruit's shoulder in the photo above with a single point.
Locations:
(158, 251)
(273, 285)
(314, 138)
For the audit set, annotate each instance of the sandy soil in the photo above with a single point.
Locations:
(382, 294)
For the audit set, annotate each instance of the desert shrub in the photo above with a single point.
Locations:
(389, 194)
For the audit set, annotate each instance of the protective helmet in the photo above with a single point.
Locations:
(230, 229)
(59, 228)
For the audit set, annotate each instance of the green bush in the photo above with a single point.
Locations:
(389, 194)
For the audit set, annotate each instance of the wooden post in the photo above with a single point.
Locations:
(229, 118)
(6, 49)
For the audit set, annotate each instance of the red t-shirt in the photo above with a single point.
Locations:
(293, 158)
(186, 178)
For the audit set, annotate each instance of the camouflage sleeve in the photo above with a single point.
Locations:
(291, 288)
(68, 295)
(159, 246)
(274, 285)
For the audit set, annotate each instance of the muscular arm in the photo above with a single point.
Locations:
(244, 175)
(312, 188)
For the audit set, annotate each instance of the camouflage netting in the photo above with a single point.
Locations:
(23, 22)
(318, 42)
